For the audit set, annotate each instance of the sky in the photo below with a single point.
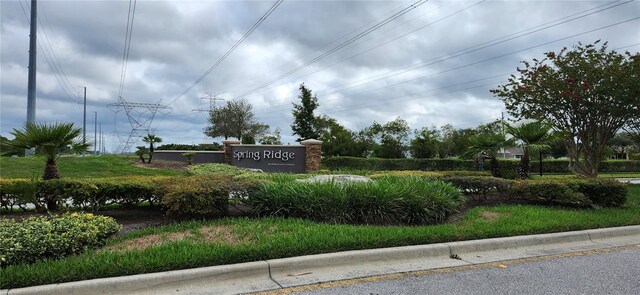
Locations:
(431, 63)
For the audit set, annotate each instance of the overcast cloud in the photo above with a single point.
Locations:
(432, 66)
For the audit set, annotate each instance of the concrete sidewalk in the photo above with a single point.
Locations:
(303, 270)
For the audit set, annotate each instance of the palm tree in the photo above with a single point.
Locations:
(488, 144)
(49, 140)
(533, 137)
(151, 139)
(141, 151)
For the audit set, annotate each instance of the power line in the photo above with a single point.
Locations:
(49, 54)
(127, 44)
(55, 56)
(384, 43)
(395, 99)
(484, 45)
(471, 49)
(356, 30)
(342, 45)
(223, 57)
(506, 54)
(499, 56)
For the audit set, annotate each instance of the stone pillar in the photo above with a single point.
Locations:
(227, 150)
(313, 154)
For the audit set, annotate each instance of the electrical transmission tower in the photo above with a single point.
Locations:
(212, 106)
(212, 102)
(140, 116)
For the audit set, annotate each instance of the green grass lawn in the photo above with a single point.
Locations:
(78, 167)
(196, 244)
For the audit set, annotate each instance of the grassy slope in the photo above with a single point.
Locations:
(268, 238)
(71, 166)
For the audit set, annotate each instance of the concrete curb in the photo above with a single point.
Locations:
(296, 271)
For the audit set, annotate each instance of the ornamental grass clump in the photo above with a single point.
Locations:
(41, 238)
(388, 200)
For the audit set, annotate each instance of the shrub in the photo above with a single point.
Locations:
(573, 192)
(82, 193)
(466, 173)
(481, 187)
(388, 200)
(197, 195)
(428, 174)
(39, 238)
(555, 191)
(509, 167)
(379, 164)
(604, 192)
(407, 173)
(18, 194)
(132, 190)
(206, 195)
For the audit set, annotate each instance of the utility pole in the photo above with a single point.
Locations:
(100, 142)
(104, 150)
(84, 120)
(31, 87)
(31, 82)
(503, 134)
(95, 133)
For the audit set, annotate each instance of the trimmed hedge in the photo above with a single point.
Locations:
(561, 191)
(39, 238)
(380, 164)
(390, 200)
(206, 195)
(82, 193)
(548, 166)
(482, 188)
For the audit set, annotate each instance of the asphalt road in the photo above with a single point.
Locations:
(612, 272)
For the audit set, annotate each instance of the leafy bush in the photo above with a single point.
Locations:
(407, 173)
(379, 164)
(82, 193)
(39, 238)
(18, 194)
(388, 200)
(604, 192)
(573, 192)
(509, 167)
(466, 173)
(481, 187)
(206, 195)
(428, 174)
(130, 191)
(554, 191)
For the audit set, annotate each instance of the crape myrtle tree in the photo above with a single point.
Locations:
(304, 124)
(235, 119)
(587, 92)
